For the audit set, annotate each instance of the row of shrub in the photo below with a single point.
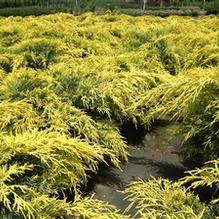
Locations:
(100, 7)
(68, 83)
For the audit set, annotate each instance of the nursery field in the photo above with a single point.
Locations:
(68, 83)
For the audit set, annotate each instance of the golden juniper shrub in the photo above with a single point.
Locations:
(161, 198)
(208, 175)
(191, 96)
(18, 117)
(66, 85)
(31, 171)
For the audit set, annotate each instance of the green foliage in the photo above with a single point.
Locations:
(32, 10)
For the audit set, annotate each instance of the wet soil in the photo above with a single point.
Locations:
(152, 153)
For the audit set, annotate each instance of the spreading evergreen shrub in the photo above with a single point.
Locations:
(67, 84)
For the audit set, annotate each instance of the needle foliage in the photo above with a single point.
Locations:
(161, 198)
(67, 83)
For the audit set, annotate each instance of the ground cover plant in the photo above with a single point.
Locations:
(67, 83)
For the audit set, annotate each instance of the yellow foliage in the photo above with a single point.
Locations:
(68, 82)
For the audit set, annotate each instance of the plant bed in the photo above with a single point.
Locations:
(67, 85)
